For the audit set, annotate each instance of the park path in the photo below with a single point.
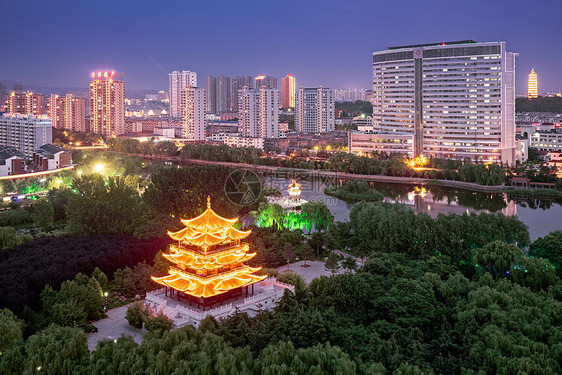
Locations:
(113, 327)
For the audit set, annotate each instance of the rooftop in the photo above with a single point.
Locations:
(468, 41)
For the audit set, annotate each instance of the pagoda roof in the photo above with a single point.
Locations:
(294, 183)
(209, 220)
(214, 287)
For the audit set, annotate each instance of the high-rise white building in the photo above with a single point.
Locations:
(314, 111)
(177, 81)
(26, 133)
(193, 113)
(448, 100)
(259, 112)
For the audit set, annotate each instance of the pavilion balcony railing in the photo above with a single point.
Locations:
(207, 279)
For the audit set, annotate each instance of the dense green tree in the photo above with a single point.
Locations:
(54, 351)
(498, 258)
(284, 359)
(67, 313)
(349, 263)
(101, 207)
(43, 214)
(332, 263)
(158, 324)
(549, 247)
(11, 329)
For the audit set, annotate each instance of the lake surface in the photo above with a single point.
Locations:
(541, 216)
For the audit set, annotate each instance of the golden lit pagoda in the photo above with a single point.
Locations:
(294, 190)
(533, 85)
(209, 260)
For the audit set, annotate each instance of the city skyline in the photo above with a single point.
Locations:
(320, 48)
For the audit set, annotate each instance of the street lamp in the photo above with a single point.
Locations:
(99, 168)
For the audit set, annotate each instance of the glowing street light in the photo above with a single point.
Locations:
(99, 168)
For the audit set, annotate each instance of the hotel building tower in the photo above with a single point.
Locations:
(533, 85)
(288, 86)
(193, 113)
(67, 112)
(177, 81)
(259, 112)
(107, 104)
(448, 100)
(314, 110)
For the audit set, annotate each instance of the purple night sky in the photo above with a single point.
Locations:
(58, 43)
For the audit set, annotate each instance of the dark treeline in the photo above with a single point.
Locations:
(356, 108)
(387, 227)
(542, 104)
(26, 269)
(377, 163)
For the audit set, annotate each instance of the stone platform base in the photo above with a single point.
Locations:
(266, 295)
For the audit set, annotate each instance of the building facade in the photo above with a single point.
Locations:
(67, 112)
(314, 110)
(238, 83)
(107, 104)
(533, 85)
(288, 87)
(349, 95)
(25, 133)
(259, 112)
(193, 113)
(449, 100)
(25, 103)
(211, 91)
(238, 141)
(48, 157)
(177, 81)
(3, 96)
(268, 82)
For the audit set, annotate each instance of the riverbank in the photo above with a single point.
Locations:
(340, 176)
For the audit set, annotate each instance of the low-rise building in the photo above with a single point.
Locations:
(49, 156)
(279, 145)
(12, 161)
(239, 141)
(547, 140)
(364, 143)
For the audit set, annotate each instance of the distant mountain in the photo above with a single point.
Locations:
(78, 91)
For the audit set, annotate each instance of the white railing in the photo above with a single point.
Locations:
(161, 306)
(284, 285)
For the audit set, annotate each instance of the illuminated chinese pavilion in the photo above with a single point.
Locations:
(209, 261)
(294, 190)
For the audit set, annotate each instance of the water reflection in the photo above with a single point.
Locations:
(541, 215)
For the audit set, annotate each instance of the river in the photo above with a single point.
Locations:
(541, 216)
